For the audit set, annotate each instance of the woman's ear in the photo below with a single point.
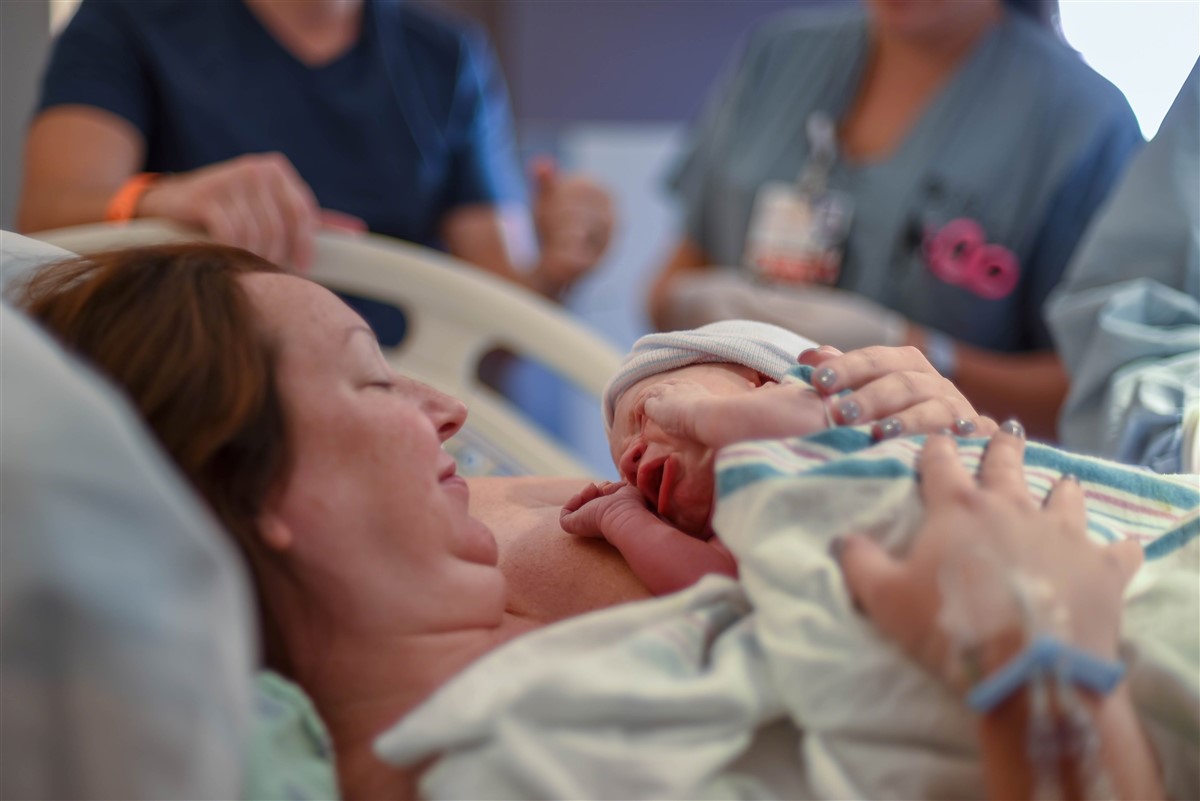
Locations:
(276, 534)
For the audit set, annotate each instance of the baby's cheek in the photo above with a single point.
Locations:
(691, 507)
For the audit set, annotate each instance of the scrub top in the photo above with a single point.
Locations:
(411, 122)
(1127, 316)
(1024, 139)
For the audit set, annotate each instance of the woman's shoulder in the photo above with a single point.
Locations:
(429, 32)
(1063, 80)
(798, 31)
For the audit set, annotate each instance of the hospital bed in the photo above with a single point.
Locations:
(456, 314)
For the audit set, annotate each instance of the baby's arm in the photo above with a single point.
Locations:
(660, 555)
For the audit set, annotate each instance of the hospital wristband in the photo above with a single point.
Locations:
(1046, 655)
(122, 206)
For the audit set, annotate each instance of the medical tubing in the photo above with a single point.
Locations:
(982, 597)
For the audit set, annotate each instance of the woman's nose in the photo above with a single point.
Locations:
(447, 412)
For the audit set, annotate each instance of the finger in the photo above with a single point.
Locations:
(1127, 556)
(340, 221)
(241, 221)
(1003, 468)
(985, 426)
(1065, 502)
(543, 171)
(577, 500)
(923, 402)
(583, 522)
(944, 480)
(870, 574)
(859, 367)
(815, 357)
(298, 206)
(216, 221)
(268, 216)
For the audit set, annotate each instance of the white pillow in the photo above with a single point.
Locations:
(126, 632)
(20, 255)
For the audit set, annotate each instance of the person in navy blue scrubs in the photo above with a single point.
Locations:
(261, 121)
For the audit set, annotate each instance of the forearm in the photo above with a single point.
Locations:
(1029, 387)
(687, 258)
(666, 560)
(500, 240)
(76, 158)
(1125, 753)
(49, 205)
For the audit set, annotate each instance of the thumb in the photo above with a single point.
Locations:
(544, 172)
(867, 569)
(583, 522)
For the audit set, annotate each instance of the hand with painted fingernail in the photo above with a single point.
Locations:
(895, 390)
(994, 514)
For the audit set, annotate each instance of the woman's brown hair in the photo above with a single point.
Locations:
(174, 329)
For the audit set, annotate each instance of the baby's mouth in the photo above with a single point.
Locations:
(655, 480)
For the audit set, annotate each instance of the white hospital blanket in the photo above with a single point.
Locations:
(774, 687)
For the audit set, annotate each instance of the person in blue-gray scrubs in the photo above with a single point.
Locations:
(1127, 316)
(917, 172)
(261, 121)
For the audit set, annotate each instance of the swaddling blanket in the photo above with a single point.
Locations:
(676, 697)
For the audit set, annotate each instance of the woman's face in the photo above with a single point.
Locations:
(371, 498)
(673, 472)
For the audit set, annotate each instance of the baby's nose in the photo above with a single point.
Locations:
(630, 460)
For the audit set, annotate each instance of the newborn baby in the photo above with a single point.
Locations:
(678, 398)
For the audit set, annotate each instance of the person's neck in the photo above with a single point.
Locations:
(315, 31)
(361, 682)
(896, 53)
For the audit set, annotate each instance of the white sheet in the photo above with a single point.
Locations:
(683, 696)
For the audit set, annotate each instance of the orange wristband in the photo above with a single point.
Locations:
(123, 204)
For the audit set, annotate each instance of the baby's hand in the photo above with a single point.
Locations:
(608, 509)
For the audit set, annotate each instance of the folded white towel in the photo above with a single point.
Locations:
(767, 348)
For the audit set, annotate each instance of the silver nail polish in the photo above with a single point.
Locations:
(1013, 428)
(825, 378)
(1070, 477)
(849, 410)
(890, 427)
(964, 427)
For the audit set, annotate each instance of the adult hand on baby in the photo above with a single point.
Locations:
(604, 508)
(896, 388)
(257, 202)
(770, 411)
(996, 524)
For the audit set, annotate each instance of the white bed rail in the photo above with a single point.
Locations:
(456, 314)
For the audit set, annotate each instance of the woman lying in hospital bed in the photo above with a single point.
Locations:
(381, 596)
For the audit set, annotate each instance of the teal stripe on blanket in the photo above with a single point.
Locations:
(1173, 540)
(1128, 479)
(732, 479)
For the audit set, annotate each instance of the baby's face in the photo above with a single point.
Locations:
(674, 474)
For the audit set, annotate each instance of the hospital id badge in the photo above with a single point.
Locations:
(796, 237)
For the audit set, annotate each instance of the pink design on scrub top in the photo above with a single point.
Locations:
(960, 255)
